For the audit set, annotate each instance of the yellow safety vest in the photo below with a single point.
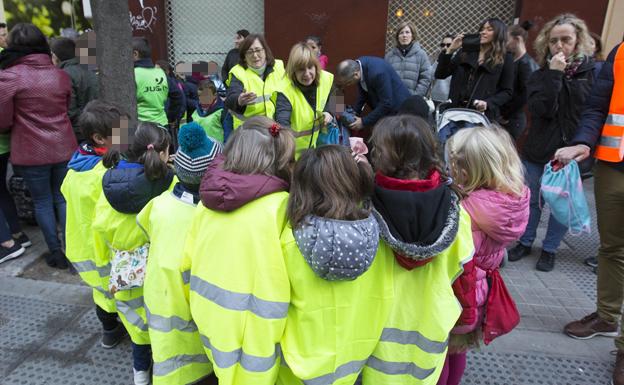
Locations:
(239, 289)
(413, 344)
(252, 82)
(177, 350)
(305, 121)
(333, 326)
(120, 231)
(610, 147)
(82, 191)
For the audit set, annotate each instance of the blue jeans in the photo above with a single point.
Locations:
(9, 222)
(141, 357)
(44, 183)
(556, 231)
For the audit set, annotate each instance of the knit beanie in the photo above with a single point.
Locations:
(195, 153)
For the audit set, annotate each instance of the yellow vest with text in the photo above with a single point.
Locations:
(177, 350)
(333, 326)
(414, 342)
(252, 82)
(239, 290)
(120, 231)
(82, 191)
(305, 121)
(610, 147)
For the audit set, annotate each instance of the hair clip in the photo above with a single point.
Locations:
(275, 129)
(150, 146)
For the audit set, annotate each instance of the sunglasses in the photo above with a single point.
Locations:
(445, 45)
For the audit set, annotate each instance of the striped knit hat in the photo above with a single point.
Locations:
(196, 151)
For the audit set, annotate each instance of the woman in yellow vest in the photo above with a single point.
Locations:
(177, 350)
(239, 290)
(421, 219)
(341, 276)
(82, 188)
(303, 102)
(253, 80)
(131, 181)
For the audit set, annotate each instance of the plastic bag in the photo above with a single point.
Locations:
(501, 314)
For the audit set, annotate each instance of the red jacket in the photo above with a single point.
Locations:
(34, 100)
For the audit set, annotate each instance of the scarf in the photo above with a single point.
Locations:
(404, 49)
(575, 62)
(9, 56)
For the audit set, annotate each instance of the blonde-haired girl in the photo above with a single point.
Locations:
(485, 163)
(233, 261)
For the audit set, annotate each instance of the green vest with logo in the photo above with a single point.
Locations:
(152, 91)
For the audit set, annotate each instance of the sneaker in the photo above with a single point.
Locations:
(591, 261)
(518, 252)
(8, 253)
(591, 326)
(23, 240)
(546, 261)
(112, 338)
(141, 377)
(618, 369)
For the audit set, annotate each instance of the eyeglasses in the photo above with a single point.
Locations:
(251, 53)
(445, 45)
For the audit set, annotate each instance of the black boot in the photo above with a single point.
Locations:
(546, 261)
(518, 252)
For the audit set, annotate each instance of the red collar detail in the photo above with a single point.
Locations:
(414, 185)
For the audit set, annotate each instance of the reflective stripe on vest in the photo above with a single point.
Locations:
(128, 310)
(413, 338)
(106, 293)
(186, 277)
(610, 147)
(342, 371)
(249, 362)
(239, 301)
(166, 367)
(399, 368)
(88, 266)
(168, 324)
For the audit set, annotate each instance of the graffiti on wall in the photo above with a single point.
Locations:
(145, 19)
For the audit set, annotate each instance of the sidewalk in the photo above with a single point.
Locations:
(49, 333)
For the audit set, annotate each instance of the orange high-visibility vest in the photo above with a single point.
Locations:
(610, 147)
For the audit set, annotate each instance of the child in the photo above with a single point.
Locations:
(239, 289)
(131, 181)
(340, 296)
(209, 112)
(177, 350)
(314, 42)
(82, 188)
(484, 161)
(422, 221)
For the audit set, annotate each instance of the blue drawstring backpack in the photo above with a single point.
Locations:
(562, 190)
(336, 134)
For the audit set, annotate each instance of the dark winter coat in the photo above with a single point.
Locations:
(597, 108)
(386, 91)
(523, 68)
(555, 106)
(413, 68)
(471, 81)
(84, 89)
(232, 59)
(34, 106)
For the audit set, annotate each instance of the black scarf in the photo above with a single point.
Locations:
(404, 49)
(9, 56)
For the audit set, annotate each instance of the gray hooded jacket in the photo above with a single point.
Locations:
(414, 68)
(338, 250)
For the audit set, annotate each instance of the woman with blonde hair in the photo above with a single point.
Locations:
(482, 70)
(556, 97)
(484, 162)
(303, 103)
(233, 261)
(409, 60)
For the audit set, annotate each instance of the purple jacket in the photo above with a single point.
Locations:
(226, 191)
(497, 220)
(35, 99)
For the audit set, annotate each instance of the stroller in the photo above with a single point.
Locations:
(449, 121)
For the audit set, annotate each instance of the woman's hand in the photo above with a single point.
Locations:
(327, 118)
(578, 153)
(357, 124)
(558, 62)
(246, 98)
(456, 44)
(480, 105)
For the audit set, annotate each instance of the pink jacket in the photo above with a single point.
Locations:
(497, 220)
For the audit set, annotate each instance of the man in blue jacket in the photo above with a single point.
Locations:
(379, 86)
(604, 109)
